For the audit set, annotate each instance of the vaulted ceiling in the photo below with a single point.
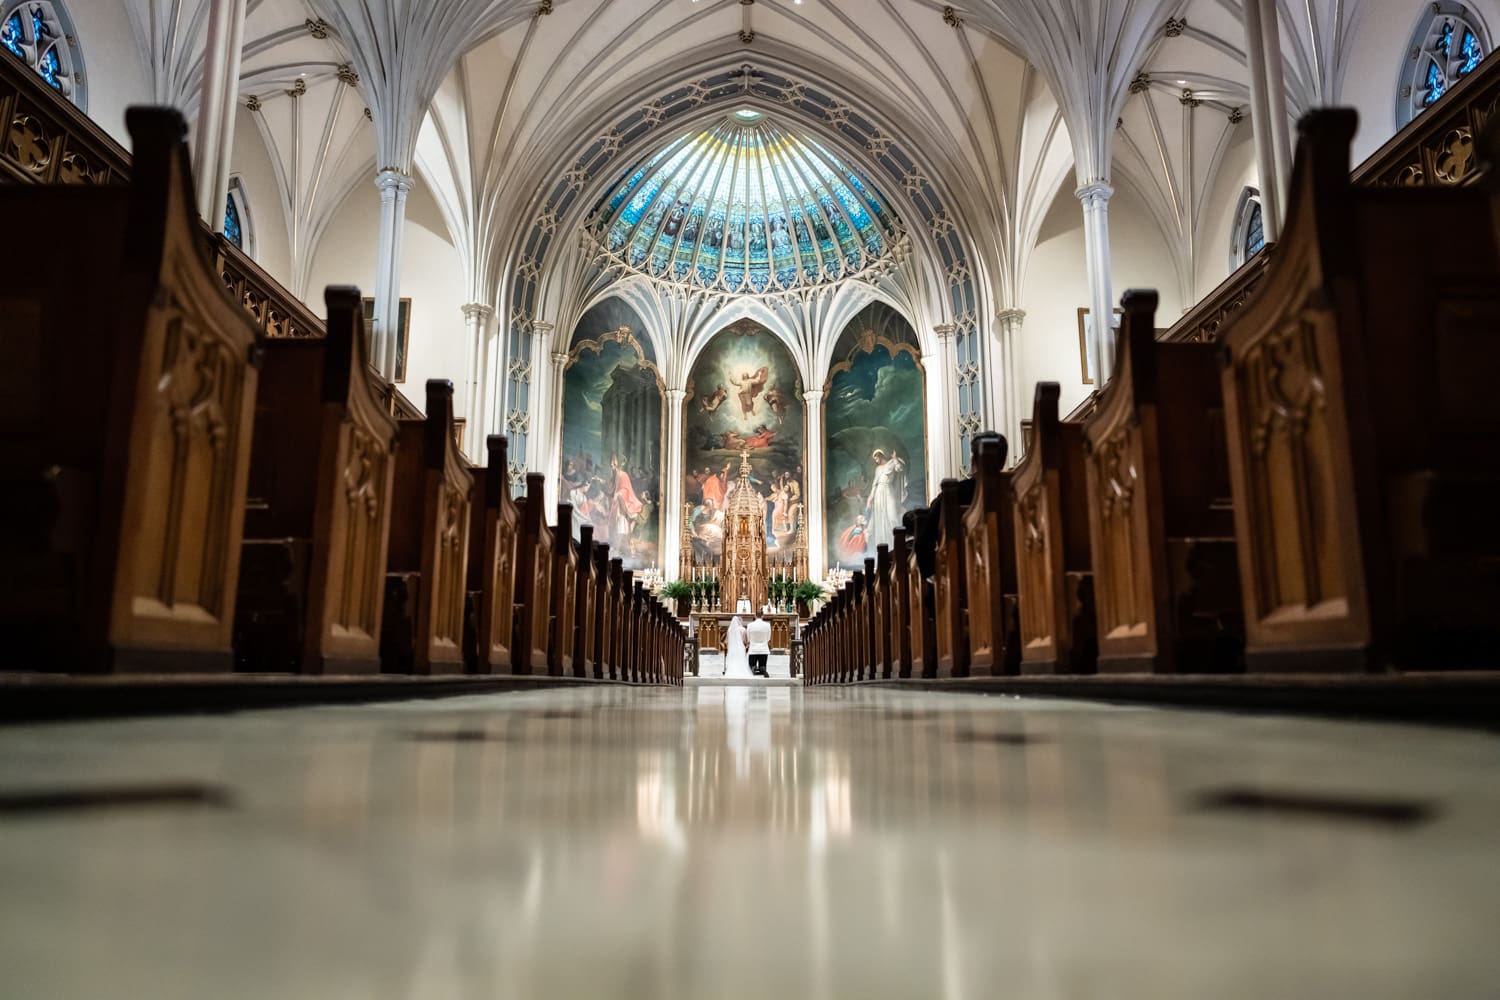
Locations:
(995, 103)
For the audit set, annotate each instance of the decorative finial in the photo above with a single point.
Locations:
(318, 28)
(1140, 83)
(252, 103)
(347, 75)
(298, 89)
(1175, 26)
(1236, 115)
(951, 18)
(544, 8)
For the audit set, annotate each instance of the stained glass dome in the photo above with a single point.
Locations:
(746, 206)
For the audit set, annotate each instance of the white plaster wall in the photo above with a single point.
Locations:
(1216, 234)
(1057, 284)
(113, 73)
(252, 165)
(432, 276)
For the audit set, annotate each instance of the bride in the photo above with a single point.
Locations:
(737, 655)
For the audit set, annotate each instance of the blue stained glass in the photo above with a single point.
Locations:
(232, 231)
(1255, 231)
(49, 66)
(1435, 85)
(1472, 52)
(747, 206)
(10, 35)
(1445, 39)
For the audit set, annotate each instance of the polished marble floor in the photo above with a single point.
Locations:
(757, 843)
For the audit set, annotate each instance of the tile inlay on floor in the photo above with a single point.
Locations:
(747, 842)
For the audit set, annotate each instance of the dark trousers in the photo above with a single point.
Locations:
(758, 662)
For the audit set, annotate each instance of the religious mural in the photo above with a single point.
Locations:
(744, 394)
(876, 454)
(612, 433)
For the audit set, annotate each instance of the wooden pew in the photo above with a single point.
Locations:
(586, 597)
(317, 524)
(1054, 564)
(1160, 521)
(1363, 433)
(427, 563)
(534, 560)
(494, 531)
(898, 587)
(615, 630)
(921, 600)
(884, 645)
(564, 596)
(950, 583)
(128, 388)
(603, 598)
(990, 563)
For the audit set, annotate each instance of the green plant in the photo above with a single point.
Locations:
(808, 591)
(676, 589)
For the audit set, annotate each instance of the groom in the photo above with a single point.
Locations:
(759, 634)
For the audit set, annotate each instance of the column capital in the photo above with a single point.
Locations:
(392, 181)
(945, 331)
(559, 358)
(676, 395)
(813, 396)
(541, 328)
(1009, 316)
(477, 311)
(1095, 192)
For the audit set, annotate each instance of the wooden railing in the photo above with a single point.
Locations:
(1439, 147)
(48, 140)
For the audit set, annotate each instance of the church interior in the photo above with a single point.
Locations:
(439, 400)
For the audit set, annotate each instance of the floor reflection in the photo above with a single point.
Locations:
(735, 841)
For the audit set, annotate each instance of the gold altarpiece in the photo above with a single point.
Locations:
(743, 570)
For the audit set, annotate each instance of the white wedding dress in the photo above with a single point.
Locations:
(737, 654)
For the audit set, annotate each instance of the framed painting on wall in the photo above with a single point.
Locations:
(1087, 361)
(403, 322)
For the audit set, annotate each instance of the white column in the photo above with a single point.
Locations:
(537, 393)
(948, 376)
(477, 318)
(1281, 140)
(552, 419)
(1095, 199)
(1268, 112)
(1016, 402)
(934, 376)
(671, 515)
(214, 141)
(394, 186)
(812, 489)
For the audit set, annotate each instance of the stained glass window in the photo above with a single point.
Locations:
(1255, 232)
(1448, 45)
(746, 206)
(232, 231)
(33, 31)
(1249, 237)
(11, 37)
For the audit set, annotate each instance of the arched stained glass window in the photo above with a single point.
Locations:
(1449, 43)
(1249, 236)
(239, 227)
(38, 33)
(232, 231)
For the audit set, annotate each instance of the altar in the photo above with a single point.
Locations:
(709, 627)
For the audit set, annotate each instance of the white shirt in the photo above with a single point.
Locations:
(760, 636)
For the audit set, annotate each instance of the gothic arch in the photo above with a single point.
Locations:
(629, 134)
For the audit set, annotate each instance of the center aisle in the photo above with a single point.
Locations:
(746, 842)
